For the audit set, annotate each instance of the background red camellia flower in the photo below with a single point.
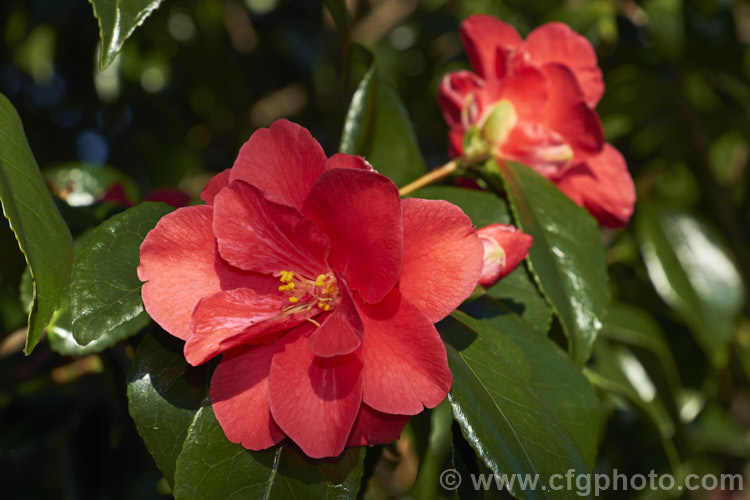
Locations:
(319, 286)
(532, 102)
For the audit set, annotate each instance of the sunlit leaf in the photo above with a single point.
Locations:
(567, 258)
(42, 235)
(692, 271)
(117, 21)
(105, 291)
(378, 128)
(513, 410)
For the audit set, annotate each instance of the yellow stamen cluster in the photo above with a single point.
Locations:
(321, 291)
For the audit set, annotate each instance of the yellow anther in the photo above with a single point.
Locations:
(286, 276)
(293, 300)
(326, 307)
(320, 305)
(329, 289)
(290, 285)
(321, 280)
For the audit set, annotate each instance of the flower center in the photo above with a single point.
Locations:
(304, 294)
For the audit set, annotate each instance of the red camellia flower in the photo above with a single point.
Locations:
(320, 288)
(532, 102)
(504, 248)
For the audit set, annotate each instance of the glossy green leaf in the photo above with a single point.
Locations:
(691, 270)
(554, 378)
(80, 184)
(635, 328)
(62, 341)
(117, 21)
(42, 234)
(105, 291)
(164, 395)
(378, 128)
(212, 467)
(499, 400)
(619, 372)
(567, 258)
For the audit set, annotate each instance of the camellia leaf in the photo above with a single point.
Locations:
(567, 257)
(41, 232)
(619, 372)
(634, 327)
(164, 395)
(212, 467)
(105, 291)
(511, 409)
(691, 270)
(378, 128)
(168, 399)
(117, 21)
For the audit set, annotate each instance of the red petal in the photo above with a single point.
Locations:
(442, 257)
(557, 43)
(315, 400)
(361, 214)
(216, 184)
(259, 235)
(342, 330)
(405, 364)
(568, 114)
(539, 147)
(374, 427)
(342, 160)
(180, 265)
(604, 186)
(481, 35)
(223, 316)
(524, 85)
(458, 98)
(504, 248)
(239, 397)
(283, 161)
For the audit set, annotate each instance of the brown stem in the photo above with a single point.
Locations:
(441, 173)
(430, 177)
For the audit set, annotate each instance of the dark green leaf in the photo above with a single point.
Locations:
(691, 270)
(42, 235)
(634, 327)
(164, 395)
(550, 373)
(117, 21)
(567, 257)
(341, 17)
(212, 467)
(500, 400)
(619, 372)
(105, 289)
(517, 292)
(378, 128)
